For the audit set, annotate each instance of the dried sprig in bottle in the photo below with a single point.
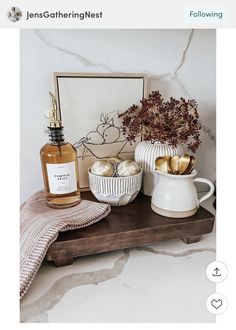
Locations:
(59, 164)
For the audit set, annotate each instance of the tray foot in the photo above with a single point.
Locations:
(192, 239)
(63, 262)
(60, 258)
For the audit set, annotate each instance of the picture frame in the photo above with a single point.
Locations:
(89, 105)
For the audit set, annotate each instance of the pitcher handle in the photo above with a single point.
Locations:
(210, 192)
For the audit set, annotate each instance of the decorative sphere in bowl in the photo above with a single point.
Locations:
(127, 168)
(116, 191)
(103, 168)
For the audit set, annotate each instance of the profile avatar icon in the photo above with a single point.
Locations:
(14, 14)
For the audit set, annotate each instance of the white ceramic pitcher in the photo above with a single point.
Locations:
(176, 196)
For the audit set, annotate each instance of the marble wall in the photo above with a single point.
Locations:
(178, 63)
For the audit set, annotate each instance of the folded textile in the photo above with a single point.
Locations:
(40, 226)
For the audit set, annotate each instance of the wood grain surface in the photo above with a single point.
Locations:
(127, 226)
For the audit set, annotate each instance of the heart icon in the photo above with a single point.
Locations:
(216, 303)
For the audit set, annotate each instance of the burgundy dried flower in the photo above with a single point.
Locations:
(172, 122)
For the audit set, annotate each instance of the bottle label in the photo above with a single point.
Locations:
(62, 178)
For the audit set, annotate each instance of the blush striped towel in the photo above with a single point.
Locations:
(40, 226)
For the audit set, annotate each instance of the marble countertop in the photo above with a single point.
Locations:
(162, 282)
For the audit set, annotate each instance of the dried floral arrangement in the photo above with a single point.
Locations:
(172, 122)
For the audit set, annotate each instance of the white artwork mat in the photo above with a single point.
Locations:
(89, 107)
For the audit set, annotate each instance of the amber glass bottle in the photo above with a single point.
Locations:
(59, 165)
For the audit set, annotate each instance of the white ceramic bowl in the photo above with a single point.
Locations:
(116, 191)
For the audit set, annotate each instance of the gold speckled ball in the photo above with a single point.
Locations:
(127, 168)
(102, 168)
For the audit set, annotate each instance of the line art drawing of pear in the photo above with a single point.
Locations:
(107, 133)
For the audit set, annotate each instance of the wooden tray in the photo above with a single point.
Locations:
(127, 226)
